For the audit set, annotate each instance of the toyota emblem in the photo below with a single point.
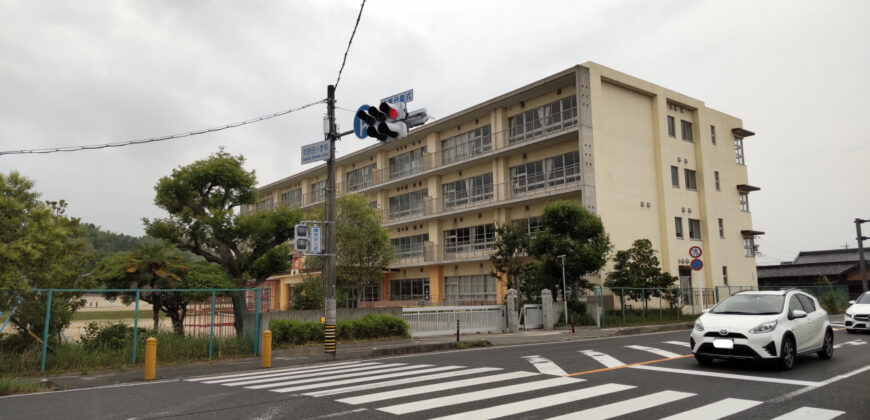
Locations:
(723, 332)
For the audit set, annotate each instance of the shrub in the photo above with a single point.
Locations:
(111, 336)
(834, 302)
(288, 331)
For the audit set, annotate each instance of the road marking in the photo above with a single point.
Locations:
(728, 376)
(538, 403)
(809, 413)
(858, 342)
(677, 343)
(40, 394)
(294, 374)
(610, 411)
(476, 396)
(545, 366)
(364, 379)
(603, 358)
(403, 381)
(443, 386)
(716, 410)
(653, 350)
(629, 365)
(820, 384)
(287, 370)
(343, 413)
(341, 376)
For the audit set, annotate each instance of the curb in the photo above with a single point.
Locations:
(428, 348)
(655, 328)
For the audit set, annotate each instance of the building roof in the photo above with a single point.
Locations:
(828, 256)
(804, 270)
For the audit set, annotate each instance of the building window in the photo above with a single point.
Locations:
(749, 246)
(744, 201)
(292, 199)
(318, 192)
(721, 228)
(695, 229)
(549, 172)
(691, 182)
(468, 239)
(716, 179)
(465, 191)
(725, 275)
(678, 225)
(532, 224)
(551, 117)
(265, 204)
(675, 176)
(360, 178)
(470, 289)
(409, 289)
(407, 163)
(686, 128)
(466, 145)
(738, 150)
(713, 134)
(409, 246)
(409, 204)
(672, 130)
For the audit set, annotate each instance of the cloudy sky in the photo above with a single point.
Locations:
(83, 73)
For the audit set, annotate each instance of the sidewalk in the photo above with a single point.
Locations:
(313, 354)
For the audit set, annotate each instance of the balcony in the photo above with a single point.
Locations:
(433, 254)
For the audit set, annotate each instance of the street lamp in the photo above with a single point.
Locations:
(565, 290)
(861, 239)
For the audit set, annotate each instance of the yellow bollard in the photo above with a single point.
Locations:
(267, 349)
(150, 358)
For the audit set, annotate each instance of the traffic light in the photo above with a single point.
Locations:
(385, 122)
(300, 238)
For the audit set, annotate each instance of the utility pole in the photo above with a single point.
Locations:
(329, 343)
(861, 239)
(564, 289)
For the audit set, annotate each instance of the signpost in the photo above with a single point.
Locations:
(696, 264)
(315, 151)
(315, 240)
(403, 97)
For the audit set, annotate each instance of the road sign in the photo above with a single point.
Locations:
(315, 151)
(315, 239)
(360, 126)
(695, 252)
(697, 264)
(297, 263)
(406, 96)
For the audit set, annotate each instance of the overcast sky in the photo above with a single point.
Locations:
(81, 73)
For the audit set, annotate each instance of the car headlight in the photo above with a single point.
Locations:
(848, 315)
(699, 326)
(764, 328)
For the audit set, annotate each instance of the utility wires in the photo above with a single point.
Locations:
(349, 42)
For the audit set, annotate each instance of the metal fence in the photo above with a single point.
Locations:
(443, 320)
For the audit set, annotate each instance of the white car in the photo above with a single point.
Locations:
(763, 325)
(858, 315)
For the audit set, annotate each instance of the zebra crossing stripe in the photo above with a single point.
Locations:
(343, 375)
(280, 376)
(810, 413)
(677, 343)
(545, 366)
(403, 381)
(621, 408)
(538, 403)
(319, 368)
(364, 379)
(424, 389)
(716, 410)
(477, 395)
(653, 350)
(602, 358)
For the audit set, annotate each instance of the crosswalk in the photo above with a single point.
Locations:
(454, 392)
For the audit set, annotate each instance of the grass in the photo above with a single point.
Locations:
(113, 315)
(13, 386)
(651, 317)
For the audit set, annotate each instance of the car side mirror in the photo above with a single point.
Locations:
(704, 311)
(851, 302)
(797, 313)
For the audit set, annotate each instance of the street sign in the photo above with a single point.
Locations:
(315, 240)
(297, 263)
(315, 151)
(406, 96)
(360, 126)
(697, 264)
(695, 252)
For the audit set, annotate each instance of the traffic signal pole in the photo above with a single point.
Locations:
(861, 239)
(329, 343)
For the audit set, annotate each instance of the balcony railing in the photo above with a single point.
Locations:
(433, 253)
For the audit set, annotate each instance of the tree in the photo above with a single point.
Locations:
(40, 247)
(636, 273)
(570, 230)
(161, 267)
(200, 199)
(308, 294)
(511, 249)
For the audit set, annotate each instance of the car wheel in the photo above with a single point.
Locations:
(827, 350)
(788, 353)
(704, 360)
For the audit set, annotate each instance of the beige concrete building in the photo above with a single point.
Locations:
(651, 162)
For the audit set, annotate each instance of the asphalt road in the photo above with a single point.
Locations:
(632, 377)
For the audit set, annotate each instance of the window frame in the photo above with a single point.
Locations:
(675, 176)
(686, 131)
(738, 150)
(744, 201)
(678, 227)
(691, 179)
(695, 229)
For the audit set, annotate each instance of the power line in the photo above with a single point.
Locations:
(343, 61)
(156, 139)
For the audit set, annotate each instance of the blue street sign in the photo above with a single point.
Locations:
(406, 96)
(315, 240)
(359, 126)
(315, 151)
(697, 264)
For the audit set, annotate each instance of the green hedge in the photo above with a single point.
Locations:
(288, 331)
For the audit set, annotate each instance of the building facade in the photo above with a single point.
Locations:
(651, 162)
(838, 267)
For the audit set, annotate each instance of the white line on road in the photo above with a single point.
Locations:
(677, 343)
(39, 394)
(403, 381)
(858, 342)
(284, 370)
(610, 411)
(716, 410)
(343, 375)
(727, 375)
(286, 373)
(653, 350)
(602, 358)
(809, 413)
(363, 379)
(545, 366)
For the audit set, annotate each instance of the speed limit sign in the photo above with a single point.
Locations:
(695, 251)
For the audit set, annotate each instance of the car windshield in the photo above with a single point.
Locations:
(747, 304)
(865, 298)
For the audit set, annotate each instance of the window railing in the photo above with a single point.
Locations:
(432, 253)
(542, 120)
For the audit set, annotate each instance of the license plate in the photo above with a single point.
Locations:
(723, 343)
